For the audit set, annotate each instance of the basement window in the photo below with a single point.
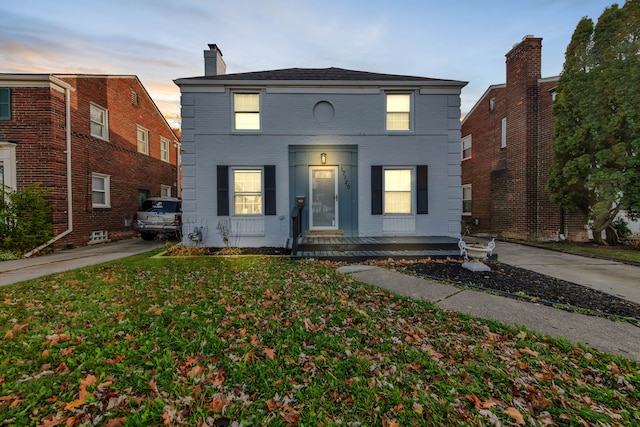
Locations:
(98, 236)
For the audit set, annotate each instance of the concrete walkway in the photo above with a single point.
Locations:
(602, 334)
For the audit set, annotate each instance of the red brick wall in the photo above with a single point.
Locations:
(484, 125)
(38, 124)
(509, 196)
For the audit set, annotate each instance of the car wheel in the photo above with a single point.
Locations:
(147, 236)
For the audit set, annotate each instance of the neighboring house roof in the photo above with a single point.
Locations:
(316, 76)
(502, 86)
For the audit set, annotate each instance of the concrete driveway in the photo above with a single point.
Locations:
(614, 278)
(70, 259)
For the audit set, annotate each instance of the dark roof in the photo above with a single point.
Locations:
(317, 74)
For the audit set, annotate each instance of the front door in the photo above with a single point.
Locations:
(323, 209)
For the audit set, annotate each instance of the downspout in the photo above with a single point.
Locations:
(67, 96)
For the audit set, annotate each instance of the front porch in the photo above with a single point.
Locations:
(340, 248)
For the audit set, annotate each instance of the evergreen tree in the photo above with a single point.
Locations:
(596, 147)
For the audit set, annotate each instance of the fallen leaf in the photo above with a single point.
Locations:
(117, 422)
(269, 353)
(528, 351)
(515, 414)
(18, 327)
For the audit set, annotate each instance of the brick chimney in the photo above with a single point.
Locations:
(524, 65)
(213, 63)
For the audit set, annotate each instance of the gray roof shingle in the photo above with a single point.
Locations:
(318, 74)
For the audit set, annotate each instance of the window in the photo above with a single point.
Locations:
(398, 112)
(164, 150)
(165, 191)
(5, 103)
(397, 191)
(503, 134)
(246, 108)
(466, 147)
(247, 192)
(466, 199)
(100, 190)
(7, 166)
(143, 140)
(99, 122)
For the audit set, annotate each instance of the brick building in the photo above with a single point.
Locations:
(506, 155)
(97, 143)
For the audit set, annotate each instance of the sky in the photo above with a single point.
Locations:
(163, 40)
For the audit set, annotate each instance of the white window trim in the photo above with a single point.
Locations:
(165, 150)
(259, 112)
(105, 125)
(233, 191)
(503, 133)
(165, 190)
(470, 141)
(413, 191)
(107, 190)
(146, 142)
(469, 186)
(411, 110)
(8, 160)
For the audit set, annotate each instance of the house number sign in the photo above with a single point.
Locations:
(344, 176)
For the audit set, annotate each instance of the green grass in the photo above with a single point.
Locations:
(271, 341)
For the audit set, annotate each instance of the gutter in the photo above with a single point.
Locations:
(67, 96)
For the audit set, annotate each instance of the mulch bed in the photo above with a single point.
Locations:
(538, 287)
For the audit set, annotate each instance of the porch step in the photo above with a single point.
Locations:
(325, 233)
(362, 248)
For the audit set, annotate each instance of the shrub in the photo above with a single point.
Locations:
(25, 219)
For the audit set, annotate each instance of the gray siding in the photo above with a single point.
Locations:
(287, 120)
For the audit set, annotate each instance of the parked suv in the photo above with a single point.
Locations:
(159, 215)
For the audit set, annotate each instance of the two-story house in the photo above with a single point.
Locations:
(506, 155)
(97, 143)
(368, 154)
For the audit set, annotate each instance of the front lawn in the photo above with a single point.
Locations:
(256, 341)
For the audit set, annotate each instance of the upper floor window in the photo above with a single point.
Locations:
(398, 111)
(397, 191)
(5, 103)
(247, 191)
(466, 199)
(164, 149)
(100, 190)
(503, 133)
(246, 109)
(99, 122)
(143, 140)
(466, 147)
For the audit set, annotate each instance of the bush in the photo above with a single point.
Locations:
(25, 219)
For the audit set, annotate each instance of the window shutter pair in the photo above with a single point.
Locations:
(422, 190)
(269, 190)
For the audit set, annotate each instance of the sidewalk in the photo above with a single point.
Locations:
(602, 334)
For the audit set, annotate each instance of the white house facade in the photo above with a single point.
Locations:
(366, 154)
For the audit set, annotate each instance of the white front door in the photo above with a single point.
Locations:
(323, 191)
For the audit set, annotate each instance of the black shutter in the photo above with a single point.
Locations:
(223, 190)
(269, 190)
(422, 192)
(376, 190)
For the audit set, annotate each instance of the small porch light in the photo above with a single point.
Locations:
(323, 158)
